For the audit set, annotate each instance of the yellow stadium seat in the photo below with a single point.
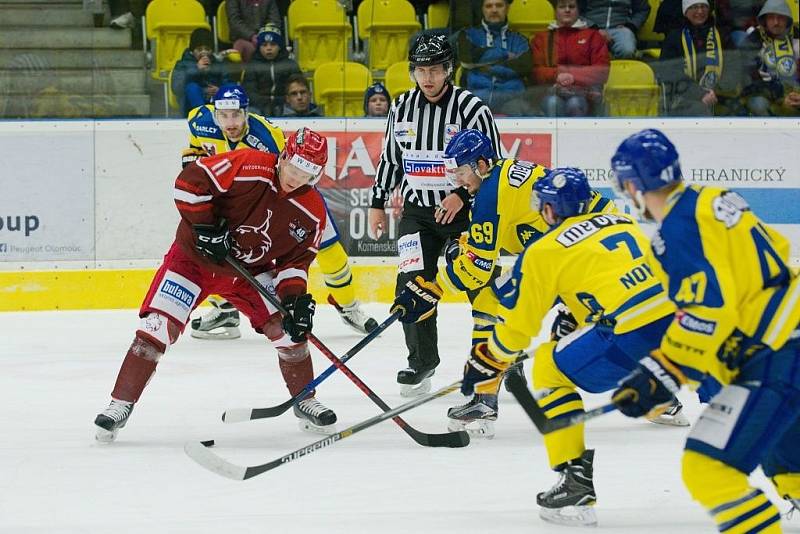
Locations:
(169, 23)
(340, 86)
(398, 80)
(631, 90)
(320, 32)
(649, 39)
(223, 28)
(530, 16)
(438, 15)
(387, 26)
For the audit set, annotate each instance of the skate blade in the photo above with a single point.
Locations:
(572, 516)
(355, 326)
(670, 420)
(307, 426)
(483, 429)
(105, 436)
(415, 390)
(222, 332)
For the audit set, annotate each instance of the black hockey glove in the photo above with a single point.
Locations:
(654, 382)
(480, 367)
(213, 240)
(564, 324)
(299, 318)
(417, 301)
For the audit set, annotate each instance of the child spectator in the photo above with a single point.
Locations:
(266, 75)
(376, 101)
(298, 99)
(771, 59)
(572, 60)
(198, 74)
(245, 17)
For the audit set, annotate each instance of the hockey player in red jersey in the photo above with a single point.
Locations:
(261, 209)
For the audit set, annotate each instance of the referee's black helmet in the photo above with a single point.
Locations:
(430, 50)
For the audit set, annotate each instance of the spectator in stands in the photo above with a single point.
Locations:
(496, 61)
(298, 99)
(198, 74)
(619, 22)
(266, 74)
(376, 101)
(572, 60)
(691, 66)
(245, 18)
(771, 62)
(733, 17)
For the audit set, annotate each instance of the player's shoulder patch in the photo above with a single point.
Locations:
(263, 135)
(728, 208)
(201, 123)
(518, 172)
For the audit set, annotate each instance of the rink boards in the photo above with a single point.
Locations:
(86, 207)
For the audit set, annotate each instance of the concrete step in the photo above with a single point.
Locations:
(34, 59)
(19, 106)
(20, 17)
(100, 81)
(64, 38)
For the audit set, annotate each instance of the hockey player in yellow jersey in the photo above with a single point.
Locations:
(501, 219)
(595, 264)
(227, 125)
(738, 309)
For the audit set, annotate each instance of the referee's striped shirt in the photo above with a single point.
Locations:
(417, 132)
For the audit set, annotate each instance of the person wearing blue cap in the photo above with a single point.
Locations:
(376, 100)
(266, 75)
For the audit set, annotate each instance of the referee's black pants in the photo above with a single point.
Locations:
(422, 337)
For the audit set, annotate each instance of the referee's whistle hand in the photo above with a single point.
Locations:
(376, 218)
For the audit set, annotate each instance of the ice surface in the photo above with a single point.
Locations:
(58, 368)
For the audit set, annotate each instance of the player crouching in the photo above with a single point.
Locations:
(262, 210)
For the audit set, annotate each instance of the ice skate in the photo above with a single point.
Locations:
(795, 507)
(477, 416)
(313, 416)
(222, 322)
(672, 416)
(111, 420)
(414, 382)
(353, 317)
(569, 502)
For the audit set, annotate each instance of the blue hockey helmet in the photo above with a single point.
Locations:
(231, 96)
(648, 159)
(566, 189)
(467, 147)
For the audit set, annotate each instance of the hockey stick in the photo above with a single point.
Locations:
(544, 424)
(237, 415)
(215, 463)
(448, 439)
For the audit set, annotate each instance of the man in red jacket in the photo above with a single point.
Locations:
(261, 209)
(572, 60)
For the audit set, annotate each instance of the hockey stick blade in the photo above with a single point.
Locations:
(206, 458)
(450, 439)
(544, 424)
(237, 415)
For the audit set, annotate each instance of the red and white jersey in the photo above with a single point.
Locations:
(271, 230)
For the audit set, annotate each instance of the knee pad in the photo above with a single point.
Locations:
(159, 330)
(546, 373)
(146, 348)
(294, 353)
(273, 329)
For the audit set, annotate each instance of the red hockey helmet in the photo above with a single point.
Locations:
(308, 151)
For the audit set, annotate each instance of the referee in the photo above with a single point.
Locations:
(421, 122)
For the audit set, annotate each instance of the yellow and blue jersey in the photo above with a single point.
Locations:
(501, 219)
(728, 274)
(209, 139)
(596, 264)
